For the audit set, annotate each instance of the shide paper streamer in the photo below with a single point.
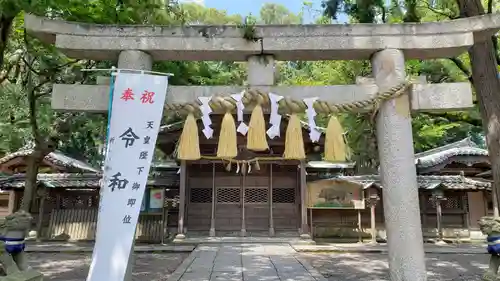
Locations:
(314, 134)
(205, 117)
(275, 118)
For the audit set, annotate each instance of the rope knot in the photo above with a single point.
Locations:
(226, 104)
(292, 106)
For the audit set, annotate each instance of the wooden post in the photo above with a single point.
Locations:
(465, 209)
(311, 228)
(212, 218)
(423, 203)
(271, 219)
(438, 218)
(373, 223)
(360, 228)
(243, 222)
(182, 201)
(164, 218)
(303, 202)
(12, 201)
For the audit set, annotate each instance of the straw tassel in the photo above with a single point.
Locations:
(294, 143)
(257, 138)
(189, 143)
(335, 146)
(227, 147)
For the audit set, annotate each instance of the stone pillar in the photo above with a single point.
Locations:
(137, 60)
(261, 70)
(372, 202)
(303, 202)
(398, 173)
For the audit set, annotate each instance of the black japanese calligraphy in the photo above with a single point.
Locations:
(116, 182)
(150, 125)
(139, 170)
(127, 218)
(147, 139)
(136, 186)
(129, 137)
(143, 155)
(111, 140)
(131, 202)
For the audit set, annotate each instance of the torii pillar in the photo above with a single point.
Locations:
(398, 172)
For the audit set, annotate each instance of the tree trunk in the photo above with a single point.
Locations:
(487, 85)
(30, 186)
(5, 26)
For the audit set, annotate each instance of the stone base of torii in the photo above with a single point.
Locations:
(387, 46)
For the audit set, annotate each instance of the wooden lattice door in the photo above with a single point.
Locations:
(227, 199)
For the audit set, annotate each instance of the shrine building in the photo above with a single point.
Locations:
(254, 193)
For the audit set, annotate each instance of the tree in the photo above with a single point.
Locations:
(430, 130)
(481, 69)
(485, 59)
(278, 14)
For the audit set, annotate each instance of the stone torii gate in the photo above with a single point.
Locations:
(387, 46)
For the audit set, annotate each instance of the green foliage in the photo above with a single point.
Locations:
(430, 130)
(248, 28)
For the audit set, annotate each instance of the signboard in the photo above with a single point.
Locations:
(335, 194)
(156, 199)
(137, 109)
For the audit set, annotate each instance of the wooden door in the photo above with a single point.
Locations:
(228, 204)
(286, 197)
(256, 187)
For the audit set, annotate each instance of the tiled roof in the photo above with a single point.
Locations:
(86, 180)
(57, 158)
(329, 165)
(436, 156)
(425, 182)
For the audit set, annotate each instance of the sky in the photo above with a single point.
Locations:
(245, 7)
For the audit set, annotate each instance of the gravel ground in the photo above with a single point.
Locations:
(374, 267)
(335, 267)
(74, 267)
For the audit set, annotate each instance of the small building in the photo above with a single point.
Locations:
(449, 174)
(16, 164)
(66, 204)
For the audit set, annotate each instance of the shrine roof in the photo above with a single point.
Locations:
(424, 182)
(436, 156)
(75, 181)
(56, 158)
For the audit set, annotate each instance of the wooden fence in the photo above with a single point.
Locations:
(80, 224)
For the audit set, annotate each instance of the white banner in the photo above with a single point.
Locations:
(138, 101)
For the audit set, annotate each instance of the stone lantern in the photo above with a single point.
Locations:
(437, 198)
(372, 200)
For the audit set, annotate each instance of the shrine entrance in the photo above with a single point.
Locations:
(249, 203)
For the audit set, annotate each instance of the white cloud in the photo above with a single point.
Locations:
(199, 2)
